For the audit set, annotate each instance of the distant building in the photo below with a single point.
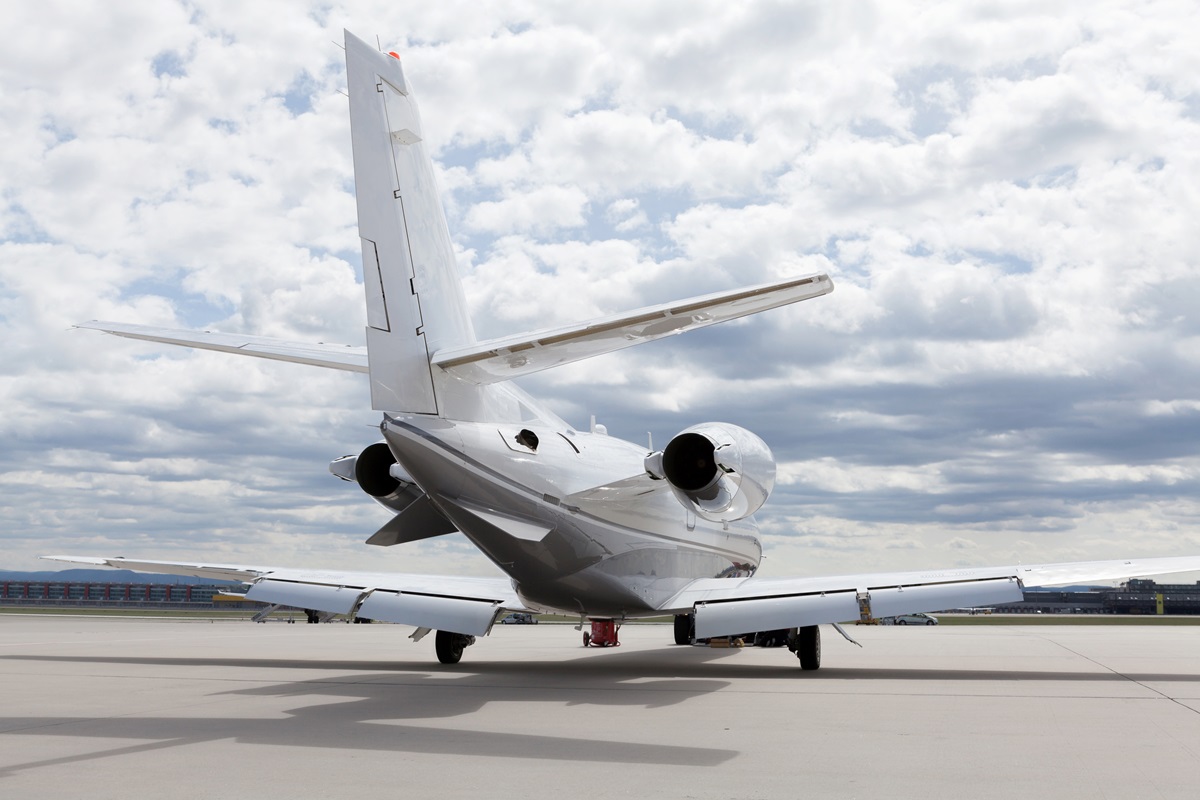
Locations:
(117, 595)
(1138, 596)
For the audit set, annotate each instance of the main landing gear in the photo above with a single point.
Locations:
(806, 644)
(603, 634)
(450, 646)
(685, 628)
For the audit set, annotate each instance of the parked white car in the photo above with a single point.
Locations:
(911, 619)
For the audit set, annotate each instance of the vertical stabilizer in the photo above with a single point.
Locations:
(415, 302)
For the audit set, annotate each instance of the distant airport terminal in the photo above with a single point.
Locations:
(1137, 597)
(99, 594)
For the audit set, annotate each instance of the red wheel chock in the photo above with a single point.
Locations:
(603, 634)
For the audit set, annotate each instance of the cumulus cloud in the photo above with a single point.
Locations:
(1005, 199)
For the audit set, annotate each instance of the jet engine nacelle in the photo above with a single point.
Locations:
(720, 471)
(376, 472)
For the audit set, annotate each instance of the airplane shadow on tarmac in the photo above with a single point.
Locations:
(362, 708)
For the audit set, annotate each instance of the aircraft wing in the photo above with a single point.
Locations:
(729, 606)
(332, 356)
(514, 356)
(439, 602)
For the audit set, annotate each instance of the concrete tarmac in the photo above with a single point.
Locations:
(105, 708)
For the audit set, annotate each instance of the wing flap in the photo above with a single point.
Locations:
(772, 613)
(723, 618)
(330, 356)
(513, 356)
(730, 606)
(334, 599)
(461, 615)
(442, 602)
(890, 601)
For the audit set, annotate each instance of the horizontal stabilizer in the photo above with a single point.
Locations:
(331, 356)
(513, 356)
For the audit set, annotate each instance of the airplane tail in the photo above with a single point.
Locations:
(422, 355)
(415, 301)
(418, 331)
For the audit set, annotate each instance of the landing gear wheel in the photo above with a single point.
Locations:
(450, 646)
(808, 647)
(685, 628)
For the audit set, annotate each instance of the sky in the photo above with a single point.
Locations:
(1005, 197)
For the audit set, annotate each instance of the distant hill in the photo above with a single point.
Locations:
(103, 576)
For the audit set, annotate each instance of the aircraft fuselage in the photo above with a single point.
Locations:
(538, 500)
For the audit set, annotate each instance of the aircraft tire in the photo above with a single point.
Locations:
(808, 647)
(685, 625)
(449, 646)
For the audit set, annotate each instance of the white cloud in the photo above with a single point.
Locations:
(543, 210)
(1005, 198)
(626, 216)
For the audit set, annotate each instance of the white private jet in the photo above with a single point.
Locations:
(581, 523)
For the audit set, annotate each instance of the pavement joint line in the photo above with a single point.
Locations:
(165, 678)
(114, 640)
(1129, 678)
(51, 762)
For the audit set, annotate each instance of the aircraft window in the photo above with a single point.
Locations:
(527, 438)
